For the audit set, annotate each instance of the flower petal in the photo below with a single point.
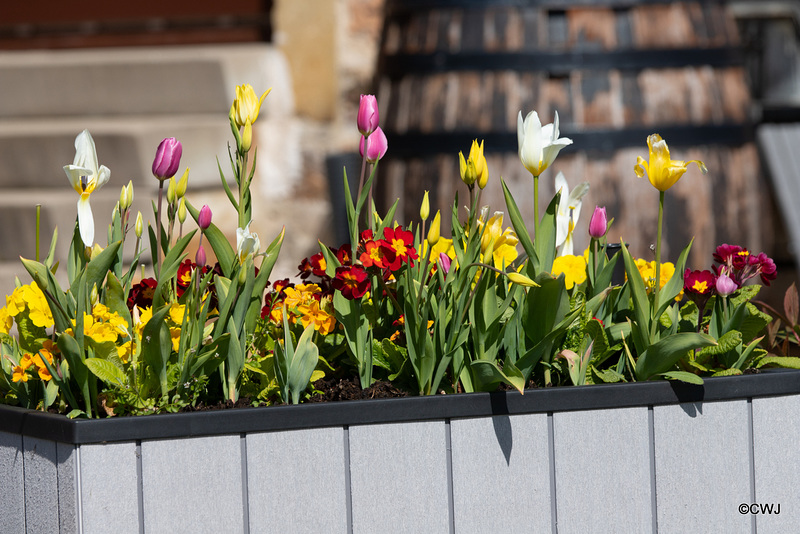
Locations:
(74, 173)
(85, 220)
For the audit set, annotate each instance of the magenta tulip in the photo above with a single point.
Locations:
(725, 285)
(168, 158)
(377, 145)
(367, 115)
(204, 218)
(200, 257)
(598, 223)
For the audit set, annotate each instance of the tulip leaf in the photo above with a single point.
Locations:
(545, 240)
(518, 223)
(169, 267)
(641, 303)
(490, 373)
(674, 285)
(157, 347)
(662, 355)
(264, 271)
(226, 255)
(99, 266)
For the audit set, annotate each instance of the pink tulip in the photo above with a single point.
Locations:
(377, 145)
(204, 218)
(200, 257)
(168, 158)
(444, 262)
(599, 223)
(367, 115)
(725, 285)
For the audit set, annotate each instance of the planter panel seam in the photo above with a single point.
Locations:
(451, 511)
(551, 457)
(139, 485)
(651, 430)
(752, 459)
(245, 495)
(348, 492)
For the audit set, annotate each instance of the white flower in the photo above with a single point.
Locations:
(247, 244)
(569, 210)
(538, 145)
(86, 176)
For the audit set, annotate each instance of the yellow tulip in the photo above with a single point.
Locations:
(474, 168)
(247, 105)
(434, 233)
(662, 171)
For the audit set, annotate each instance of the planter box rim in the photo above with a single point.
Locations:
(58, 428)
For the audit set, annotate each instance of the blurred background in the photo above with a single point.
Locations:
(717, 79)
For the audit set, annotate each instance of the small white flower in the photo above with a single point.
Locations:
(538, 145)
(86, 176)
(247, 244)
(569, 210)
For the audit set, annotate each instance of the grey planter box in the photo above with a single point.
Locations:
(647, 457)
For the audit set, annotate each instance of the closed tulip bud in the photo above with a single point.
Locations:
(247, 137)
(367, 115)
(435, 229)
(123, 195)
(168, 158)
(522, 280)
(598, 223)
(139, 226)
(725, 285)
(183, 184)
(171, 191)
(182, 211)
(204, 218)
(376, 146)
(444, 262)
(129, 195)
(200, 257)
(93, 296)
(474, 168)
(425, 208)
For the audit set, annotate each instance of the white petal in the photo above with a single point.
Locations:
(103, 176)
(85, 220)
(532, 151)
(74, 173)
(85, 153)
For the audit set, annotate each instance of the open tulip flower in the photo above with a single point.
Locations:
(538, 145)
(86, 176)
(247, 105)
(569, 210)
(662, 171)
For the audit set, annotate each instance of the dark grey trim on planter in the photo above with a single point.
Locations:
(274, 418)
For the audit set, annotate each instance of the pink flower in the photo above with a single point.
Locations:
(376, 145)
(367, 115)
(599, 223)
(168, 158)
(204, 218)
(200, 257)
(725, 285)
(444, 262)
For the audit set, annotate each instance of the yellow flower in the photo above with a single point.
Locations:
(662, 171)
(573, 267)
(124, 351)
(300, 294)
(176, 313)
(503, 242)
(19, 374)
(6, 321)
(474, 167)
(15, 303)
(44, 374)
(175, 335)
(247, 105)
(647, 269)
(522, 280)
(312, 313)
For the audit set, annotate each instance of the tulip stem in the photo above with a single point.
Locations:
(535, 206)
(158, 234)
(657, 283)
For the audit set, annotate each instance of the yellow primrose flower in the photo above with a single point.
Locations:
(175, 336)
(300, 294)
(6, 321)
(176, 313)
(124, 351)
(662, 171)
(19, 374)
(573, 267)
(247, 105)
(647, 269)
(312, 313)
(41, 368)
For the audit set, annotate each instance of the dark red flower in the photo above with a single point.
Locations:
(377, 254)
(352, 281)
(740, 266)
(344, 254)
(402, 243)
(698, 282)
(141, 294)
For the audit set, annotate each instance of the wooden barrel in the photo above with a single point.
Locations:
(451, 71)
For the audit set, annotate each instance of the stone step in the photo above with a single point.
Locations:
(140, 81)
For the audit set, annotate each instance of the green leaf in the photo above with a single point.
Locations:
(641, 303)
(788, 362)
(608, 376)
(727, 342)
(304, 360)
(226, 255)
(169, 267)
(107, 372)
(518, 223)
(490, 373)
(662, 355)
(728, 372)
(545, 241)
(157, 346)
(684, 376)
